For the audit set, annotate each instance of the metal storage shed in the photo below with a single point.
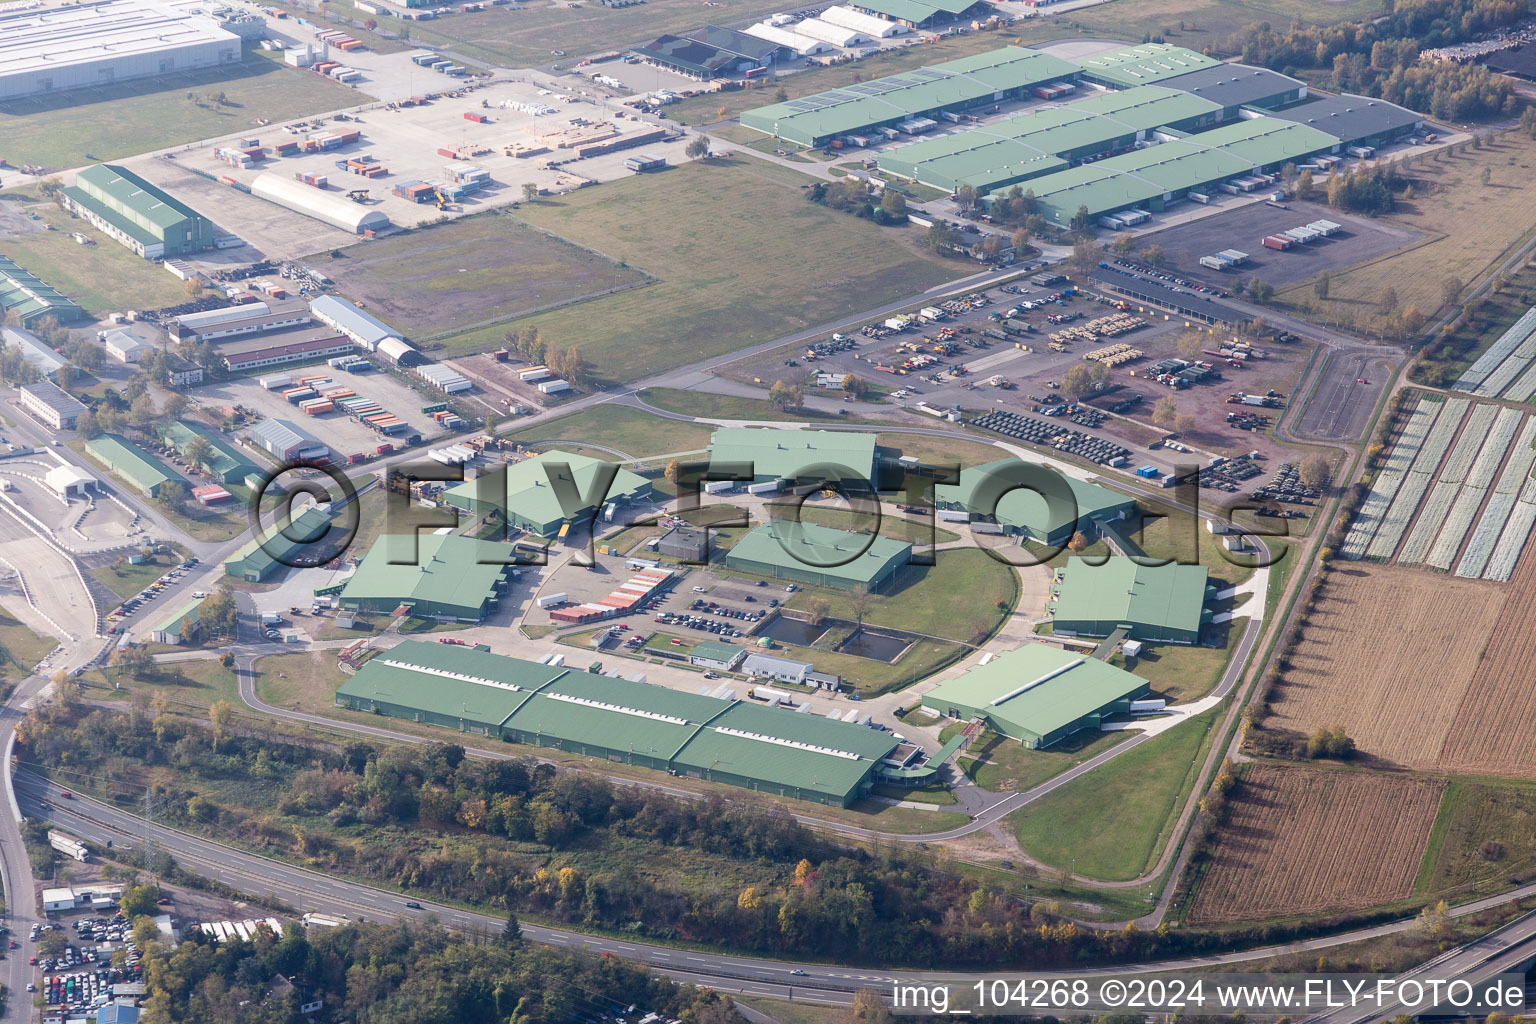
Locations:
(322, 206)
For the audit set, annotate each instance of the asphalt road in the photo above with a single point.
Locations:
(1339, 407)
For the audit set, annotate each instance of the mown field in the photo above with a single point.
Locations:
(1306, 841)
(102, 278)
(1469, 226)
(632, 431)
(740, 258)
(1484, 835)
(142, 116)
(472, 272)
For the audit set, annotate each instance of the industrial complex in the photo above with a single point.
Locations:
(431, 576)
(1047, 508)
(807, 553)
(714, 738)
(143, 217)
(1038, 694)
(789, 457)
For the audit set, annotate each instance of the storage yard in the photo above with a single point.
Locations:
(1302, 841)
(1378, 661)
(517, 133)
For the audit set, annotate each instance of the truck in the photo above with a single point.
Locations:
(1279, 242)
(68, 846)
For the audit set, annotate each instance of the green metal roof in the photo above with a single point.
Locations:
(1124, 591)
(256, 554)
(786, 454)
(227, 463)
(131, 462)
(531, 495)
(442, 569)
(174, 622)
(952, 84)
(786, 748)
(916, 11)
(837, 554)
(1038, 688)
(1029, 145)
(1172, 167)
(22, 292)
(1023, 509)
(716, 650)
(127, 226)
(449, 680)
(151, 206)
(1144, 64)
(616, 713)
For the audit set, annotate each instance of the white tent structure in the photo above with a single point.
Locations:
(875, 28)
(805, 46)
(322, 206)
(830, 33)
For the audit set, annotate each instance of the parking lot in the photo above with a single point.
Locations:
(1244, 228)
(151, 594)
(80, 976)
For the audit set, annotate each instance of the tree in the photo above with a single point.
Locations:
(785, 396)
(1487, 175)
(1153, 256)
(1123, 244)
(816, 609)
(1082, 220)
(1085, 255)
(199, 451)
(50, 186)
(194, 288)
(894, 204)
(87, 425)
(1316, 471)
(1190, 345)
(855, 386)
(530, 192)
(1079, 543)
(1165, 412)
(173, 494)
(1184, 423)
(370, 24)
(142, 412)
(868, 1007)
(1330, 741)
(858, 603)
(1020, 238)
(674, 470)
(1304, 185)
(1389, 299)
(1259, 291)
(1321, 284)
(697, 148)
(512, 933)
(134, 662)
(1450, 289)
(965, 197)
(781, 94)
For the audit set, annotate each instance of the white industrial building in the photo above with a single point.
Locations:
(52, 404)
(94, 44)
(44, 359)
(322, 206)
(69, 481)
(804, 45)
(838, 35)
(124, 347)
(877, 28)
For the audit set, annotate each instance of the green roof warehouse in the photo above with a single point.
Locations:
(529, 501)
(1038, 694)
(999, 492)
(719, 740)
(789, 455)
(807, 553)
(262, 556)
(1159, 603)
(30, 300)
(141, 216)
(436, 575)
(135, 465)
(923, 93)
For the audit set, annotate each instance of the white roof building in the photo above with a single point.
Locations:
(33, 350)
(838, 35)
(322, 206)
(70, 481)
(124, 347)
(804, 45)
(868, 24)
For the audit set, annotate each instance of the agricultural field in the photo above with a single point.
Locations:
(1485, 833)
(1376, 658)
(632, 431)
(129, 118)
(750, 262)
(1467, 227)
(471, 273)
(1303, 841)
(1505, 368)
(102, 278)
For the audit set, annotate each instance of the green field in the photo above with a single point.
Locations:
(1110, 824)
(128, 118)
(740, 257)
(1182, 673)
(201, 681)
(103, 278)
(1484, 834)
(471, 273)
(125, 580)
(19, 646)
(995, 762)
(963, 597)
(632, 431)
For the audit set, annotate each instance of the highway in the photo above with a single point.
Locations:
(315, 891)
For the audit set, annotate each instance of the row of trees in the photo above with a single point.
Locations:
(563, 362)
(854, 195)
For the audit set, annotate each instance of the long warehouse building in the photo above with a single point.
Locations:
(322, 206)
(141, 216)
(910, 97)
(714, 739)
(95, 45)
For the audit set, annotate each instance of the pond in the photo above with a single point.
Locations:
(877, 646)
(792, 631)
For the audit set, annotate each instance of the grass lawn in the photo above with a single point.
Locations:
(102, 278)
(20, 646)
(471, 273)
(126, 118)
(305, 680)
(869, 677)
(963, 597)
(995, 762)
(1184, 539)
(1110, 824)
(731, 407)
(1485, 833)
(938, 451)
(1467, 226)
(125, 580)
(938, 796)
(796, 1013)
(201, 681)
(632, 431)
(891, 524)
(740, 258)
(1182, 673)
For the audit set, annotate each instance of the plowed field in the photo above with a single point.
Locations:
(1423, 670)
(1308, 841)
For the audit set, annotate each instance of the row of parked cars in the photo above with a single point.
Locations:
(150, 593)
